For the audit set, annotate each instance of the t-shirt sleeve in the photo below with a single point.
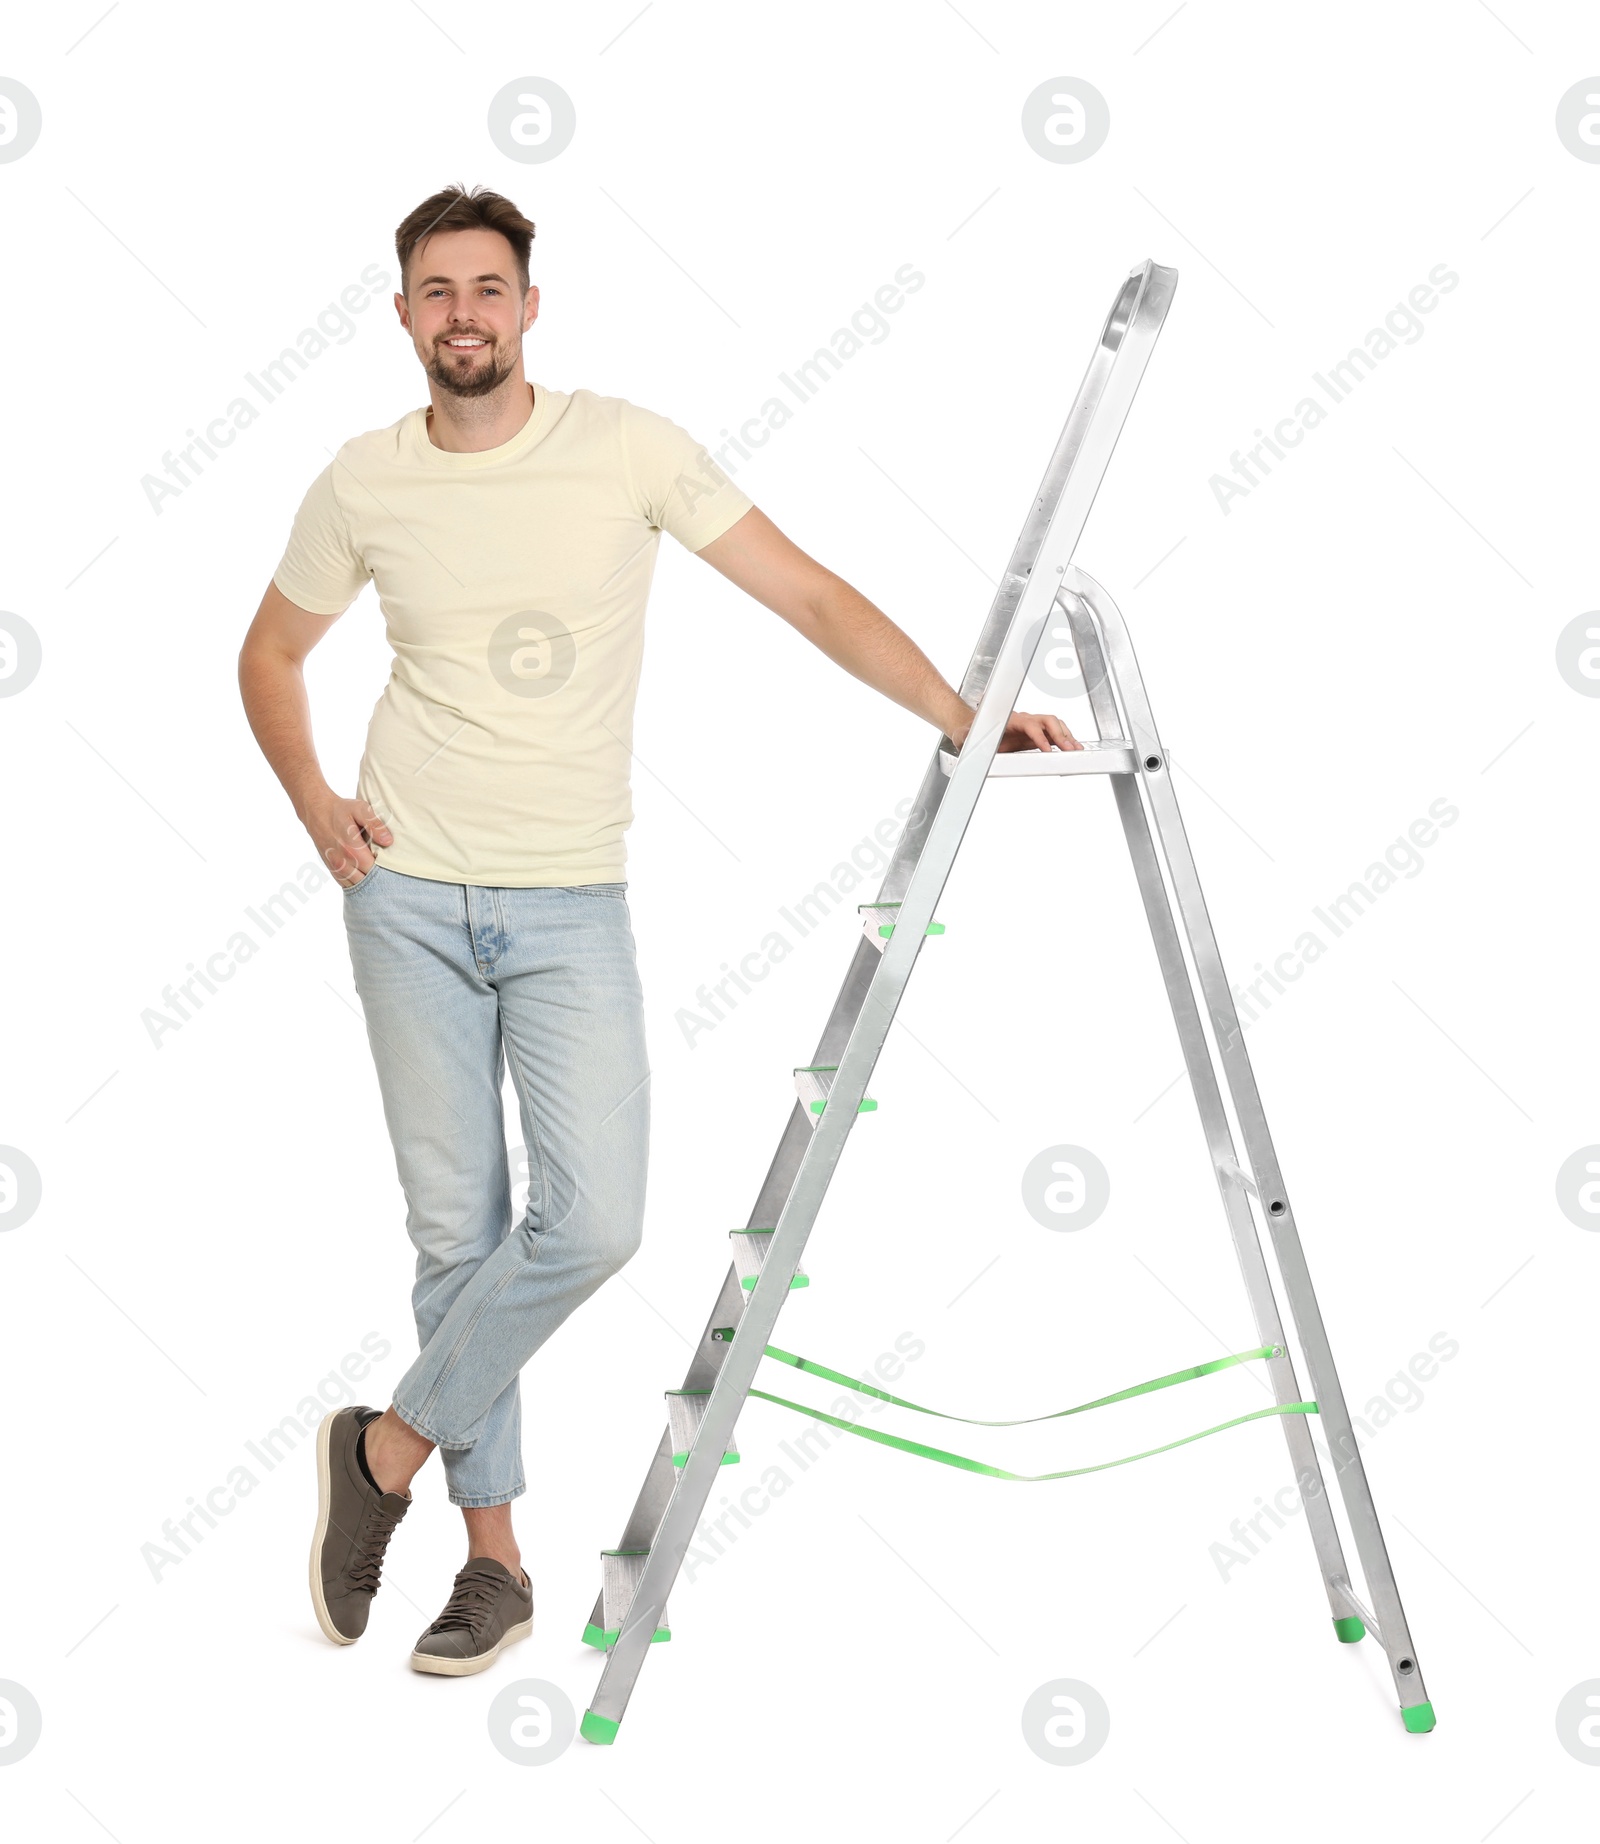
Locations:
(320, 570)
(676, 484)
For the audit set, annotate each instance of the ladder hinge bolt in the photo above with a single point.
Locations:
(1152, 763)
(1277, 1206)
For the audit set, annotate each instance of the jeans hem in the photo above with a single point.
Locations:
(480, 1501)
(417, 1426)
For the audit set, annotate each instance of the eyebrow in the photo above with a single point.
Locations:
(428, 280)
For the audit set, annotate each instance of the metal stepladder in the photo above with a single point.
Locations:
(1042, 593)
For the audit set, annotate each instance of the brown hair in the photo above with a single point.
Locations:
(457, 209)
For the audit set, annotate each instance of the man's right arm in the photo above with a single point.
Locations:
(273, 686)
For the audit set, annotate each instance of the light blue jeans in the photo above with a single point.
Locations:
(459, 981)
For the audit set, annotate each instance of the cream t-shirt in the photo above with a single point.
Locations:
(513, 584)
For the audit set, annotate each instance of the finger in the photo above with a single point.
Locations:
(355, 843)
(340, 866)
(1060, 735)
(345, 856)
(372, 822)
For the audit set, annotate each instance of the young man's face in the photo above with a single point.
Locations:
(464, 310)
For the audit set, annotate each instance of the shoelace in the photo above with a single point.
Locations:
(474, 1594)
(372, 1539)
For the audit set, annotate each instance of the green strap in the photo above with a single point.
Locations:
(1121, 1395)
(997, 1472)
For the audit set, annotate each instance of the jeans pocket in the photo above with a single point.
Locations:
(617, 892)
(371, 877)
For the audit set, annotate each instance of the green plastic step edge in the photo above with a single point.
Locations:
(748, 1282)
(1349, 1630)
(604, 1641)
(886, 929)
(681, 1459)
(867, 1104)
(600, 1730)
(1418, 1718)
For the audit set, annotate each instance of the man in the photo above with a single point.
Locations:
(511, 531)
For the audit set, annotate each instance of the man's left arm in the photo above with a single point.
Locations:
(855, 634)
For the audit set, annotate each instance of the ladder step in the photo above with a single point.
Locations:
(1232, 1169)
(1116, 758)
(685, 1407)
(878, 919)
(812, 1086)
(750, 1251)
(620, 1570)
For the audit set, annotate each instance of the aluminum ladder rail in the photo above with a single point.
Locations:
(1040, 586)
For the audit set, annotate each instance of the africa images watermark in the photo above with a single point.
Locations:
(182, 1000)
(1401, 1394)
(182, 1534)
(1402, 859)
(333, 327)
(866, 326)
(869, 857)
(1401, 324)
(717, 1533)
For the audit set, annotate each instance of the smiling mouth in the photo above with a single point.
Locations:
(466, 342)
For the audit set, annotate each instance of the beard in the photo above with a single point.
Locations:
(472, 375)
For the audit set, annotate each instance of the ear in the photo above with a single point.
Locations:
(530, 308)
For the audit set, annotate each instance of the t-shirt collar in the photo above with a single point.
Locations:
(425, 451)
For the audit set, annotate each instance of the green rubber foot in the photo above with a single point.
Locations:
(1418, 1718)
(1349, 1630)
(604, 1641)
(600, 1730)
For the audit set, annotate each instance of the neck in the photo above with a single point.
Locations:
(468, 425)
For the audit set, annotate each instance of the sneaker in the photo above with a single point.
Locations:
(354, 1524)
(488, 1609)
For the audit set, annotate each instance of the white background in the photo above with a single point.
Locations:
(1371, 630)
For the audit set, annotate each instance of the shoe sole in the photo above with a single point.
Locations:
(324, 1504)
(464, 1667)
